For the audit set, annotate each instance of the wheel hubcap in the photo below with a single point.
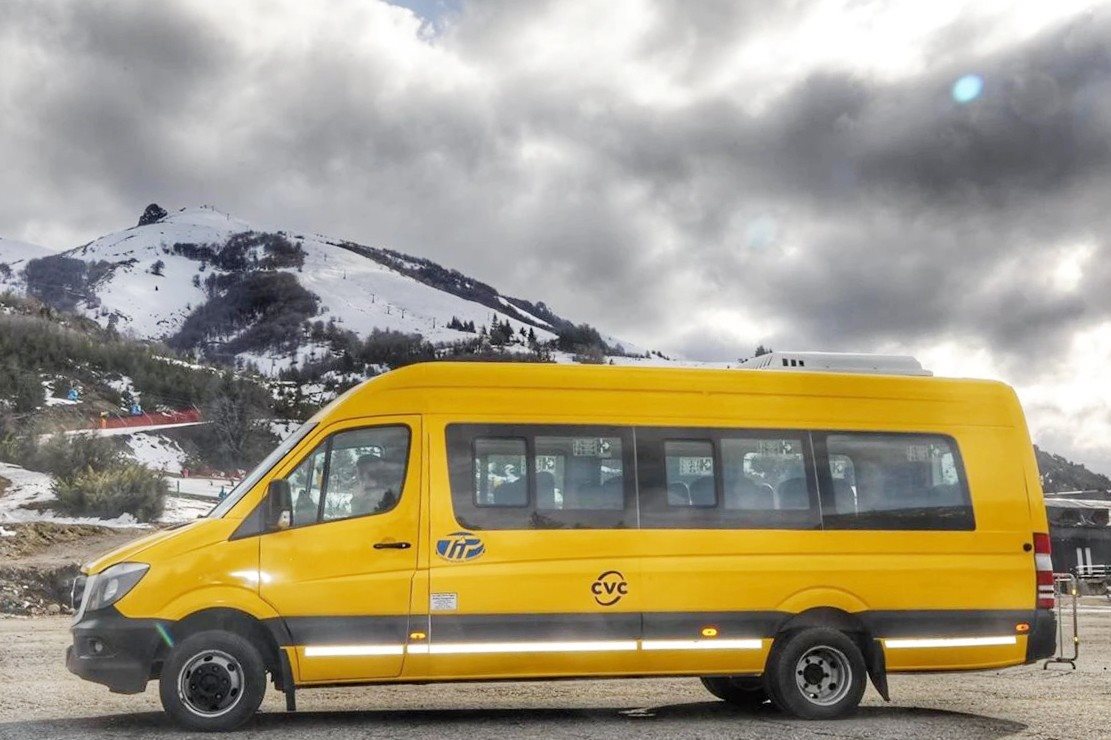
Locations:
(210, 683)
(823, 675)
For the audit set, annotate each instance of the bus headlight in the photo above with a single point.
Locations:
(114, 583)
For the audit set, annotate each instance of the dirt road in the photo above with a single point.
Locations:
(41, 701)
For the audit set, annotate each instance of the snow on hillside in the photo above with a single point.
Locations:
(15, 254)
(156, 451)
(362, 294)
(150, 305)
(356, 291)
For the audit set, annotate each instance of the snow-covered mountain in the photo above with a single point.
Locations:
(15, 254)
(200, 277)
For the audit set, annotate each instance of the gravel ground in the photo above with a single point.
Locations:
(42, 700)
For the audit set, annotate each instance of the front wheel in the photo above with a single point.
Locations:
(741, 691)
(213, 681)
(816, 674)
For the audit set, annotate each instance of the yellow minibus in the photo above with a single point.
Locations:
(784, 536)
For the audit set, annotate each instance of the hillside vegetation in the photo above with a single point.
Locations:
(44, 353)
(1059, 474)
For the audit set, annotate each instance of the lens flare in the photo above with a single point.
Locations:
(968, 88)
(165, 633)
(761, 232)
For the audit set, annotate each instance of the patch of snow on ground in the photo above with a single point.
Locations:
(50, 400)
(194, 486)
(121, 384)
(28, 487)
(181, 509)
(156, 451)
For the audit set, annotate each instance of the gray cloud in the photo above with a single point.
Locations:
(606, 176)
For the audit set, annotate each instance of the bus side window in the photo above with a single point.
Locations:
(763, 473)
(844, 484)
(305, 483)
(689, 466)
(540, 476)
(366, 471)
(581, 473)
(501, 472)
(732, 479)
(357, 472)
(896, 481)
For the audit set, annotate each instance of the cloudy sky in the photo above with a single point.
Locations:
(930, 178)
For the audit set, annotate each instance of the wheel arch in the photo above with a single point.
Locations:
(226, 619)
(854, 628)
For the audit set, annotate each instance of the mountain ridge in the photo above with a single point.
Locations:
(154, 280)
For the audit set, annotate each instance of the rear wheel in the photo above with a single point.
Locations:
(742, 691)
(213, 681)
(816, 674)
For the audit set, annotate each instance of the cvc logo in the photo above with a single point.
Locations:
(459, 546)
(609, 587)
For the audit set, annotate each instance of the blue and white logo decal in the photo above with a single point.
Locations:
(459, 546)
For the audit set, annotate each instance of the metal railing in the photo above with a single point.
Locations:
(1066, 586)
(1092, 571)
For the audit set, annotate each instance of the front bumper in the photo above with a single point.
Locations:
(1041, 642)
(116, 651)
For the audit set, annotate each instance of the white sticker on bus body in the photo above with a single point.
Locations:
(944, 642)
(444, 602)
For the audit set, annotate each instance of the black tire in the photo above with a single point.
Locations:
(743, 691)
(816, 673)
(213, 681)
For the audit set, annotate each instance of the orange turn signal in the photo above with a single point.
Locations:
(1022, 627)
(709, 631)
(417, 635)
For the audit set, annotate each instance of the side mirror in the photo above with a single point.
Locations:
(279, 505)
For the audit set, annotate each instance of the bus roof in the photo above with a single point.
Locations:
(553, 377)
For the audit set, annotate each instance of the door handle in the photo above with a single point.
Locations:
(390, 545)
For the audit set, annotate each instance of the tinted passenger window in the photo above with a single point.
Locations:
(579, 473)
(895, 481)
(735, 479)
(501, 472)
(690, 473)
(765, 474)
(540, 477)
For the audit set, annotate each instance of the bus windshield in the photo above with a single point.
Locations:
(262, 469)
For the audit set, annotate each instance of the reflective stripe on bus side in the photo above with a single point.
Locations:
(522, 633)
